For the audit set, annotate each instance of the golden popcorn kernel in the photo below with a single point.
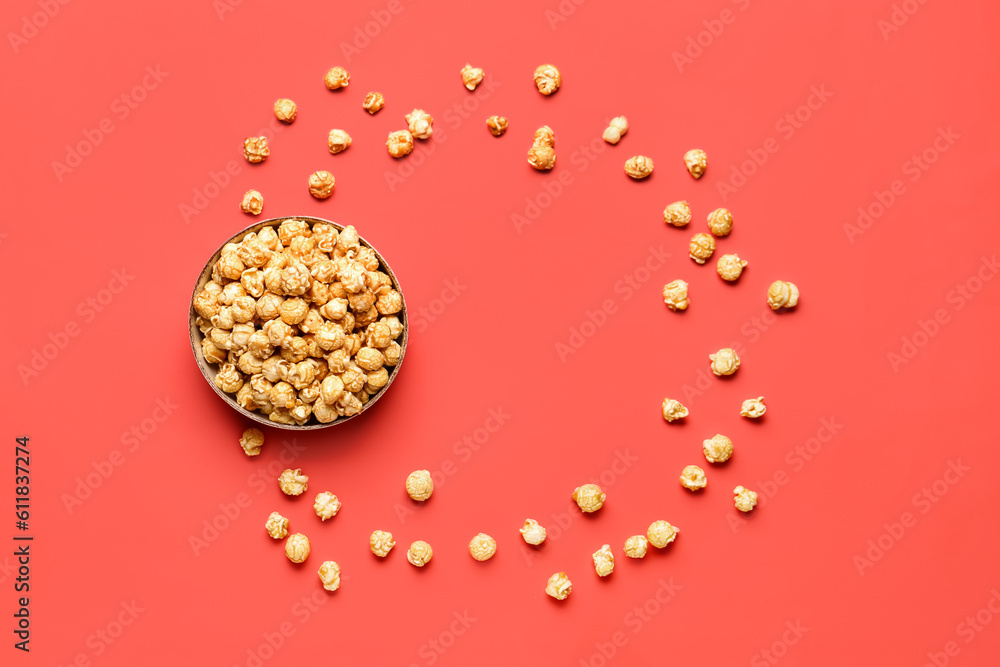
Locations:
(616, 130)
(297, 548)
(293, 482)
(673, 410)
(471, 76)
(329, 575)
(381, 543)
(482, 547)
(253, 202)
(696, 162)
(326, 505)
(701, 247)
(252, 440)
(547, 79)
(782, 294)
(400, 143)
(604, 561)
(541, 157)
(725, 361)
(276, 526)
(419, 485)
(745, 499)
(717, 449)
(693, 478)
(753, 408)
(532, 532)
(255, 149)
(675, 295)
(421, 124)
(661, 533)
(373, 103)
(636, 546)
(730, 267)
(321, 184)
(337, 142)
(544, 136)
(337, 77)
(559, 586)
(497, 125)
(677, 214)
(228, 379)
(720, 222)
(589, 497)
(420, 553)
(639, 167)
(285, 110)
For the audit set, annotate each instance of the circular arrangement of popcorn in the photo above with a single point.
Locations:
(302, 322)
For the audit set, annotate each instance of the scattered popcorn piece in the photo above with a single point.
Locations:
(661, 533)
(420, 123)
(639, 167)
(547, 79)
(419, 485)
(327, 505)
(541, 157)
(677, 214)
(471, 76)
(253, 202)
(604, 561)
(497, 125)
(297, 548)
(381, 543)
(717, 449)
(338, 77)
(673, 410)
(693, 478)
(701, 248)
(293, 482)
(373, 103)
(730, 267)
(636, 546)
(675, 295)
(616, 130)
(745, 499)
(589, 497)
(545, 136)
(753, 407)
(782, 294)
(251, 441)
(559, 586)
(276, 526)
(420, 553)
(720, 222)
(285, 110)
(329, 575)
(321, 184)
(338, 141)
(725, 361)
(533, 532)
(255, 149)
(482, 547)
(696, 161)
(400, 143)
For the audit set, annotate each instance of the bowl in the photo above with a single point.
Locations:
(209, 370)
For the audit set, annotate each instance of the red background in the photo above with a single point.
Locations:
(494, 347)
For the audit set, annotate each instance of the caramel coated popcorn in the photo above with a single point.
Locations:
(253, 202)
(730, 267)
(725, 361)
(419, 485)
(297, 548)
(497, 125)
(675, 295)
(745, 499)
(338, 141)
(420, 553)
(636, 546)
(559, 586)
(547, 79)
(285, 110)
(589, 497)
(251, 441)
(639, 167)
(693, 478)
(542, 155)
(381, 543)
(696, 161)
(482, 547)
(255, 149)
(421, 124)
(673, 410)
(373, 103)
(329, 575)
(326, 505)
(321, 184)
(720, 222)
(661, 533)
(604, 561)
(276, 526)
(677, 214)
(753, 408)
(533, 532)
(293, 482)
(717, 449)
(782, 294)
(400, 143)
(471, 76)
(701, 247)
(337, 77)
(615, 130)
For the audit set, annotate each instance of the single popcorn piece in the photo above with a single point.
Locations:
(420, 553)
(589, 497)
(338, 141)
(693, 478)
(720, 222)
(547, 79)
(276, 526)
(251, 441)
(730, 267)
(497, 125)
(327, 505)
(636, 546)
(782, 294)
(285, 110)
(701, 248)
(696, 161)
(717, 449)
(661, 533)
(541, 157)
(419, 485)
(545, 136)
(604, 561)
(675, 295)
(255, 149)
(725, 361)
(337, 77)
(673, 410)
(381, 543)
(329, 575)
(753, 408)
(533, 532)
(293, 482)
(400, 143)
(421, 123)
(321, 184)
(677, 214)
(373, 103)
(616, 130)
(639, 167)
(297, 548)
(745, 499)
(471, 76)
(559, 586)
(253, 202)
(482, 547)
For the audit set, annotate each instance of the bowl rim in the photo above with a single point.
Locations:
(195, 335)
